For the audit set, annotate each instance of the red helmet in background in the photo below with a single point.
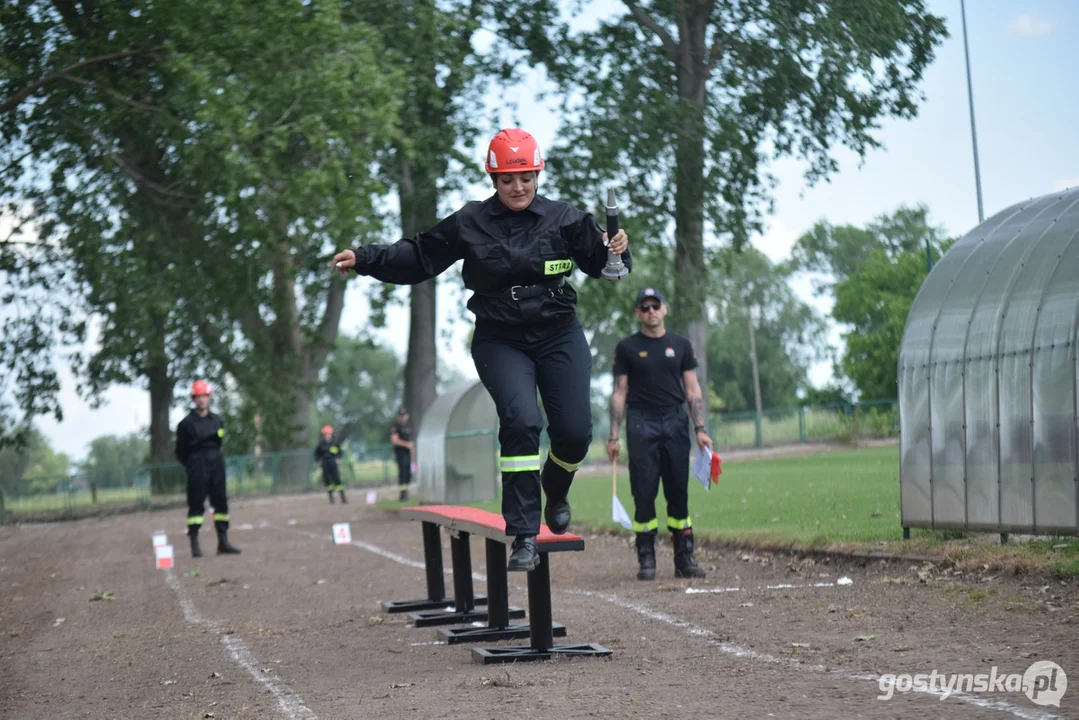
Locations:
(327, 429)
(513, 150)
(200, 387)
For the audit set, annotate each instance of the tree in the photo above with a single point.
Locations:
(47, 466)
(200, 182)
(82, 97)
(839, 251)
(434, 41)
(29, 325)
(875, 301)
(115, 454)
(359, 391)
(874, 273)
(831, 394)
(286, 145)
(788, 333)
(17, 458)
(684, 104)
(606, 309)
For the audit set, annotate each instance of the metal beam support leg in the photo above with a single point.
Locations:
(498, 608)
(436, 583)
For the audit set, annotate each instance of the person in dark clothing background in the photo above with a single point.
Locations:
(328, 456)
(198, 448)
(404, 451)
(655, 376)
(518, 249)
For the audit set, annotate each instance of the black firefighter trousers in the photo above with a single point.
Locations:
(659, 447)
(560, 367)
(331, 475)
(206, 478)
(404, 467)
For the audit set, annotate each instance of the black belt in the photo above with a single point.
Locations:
(524, 292)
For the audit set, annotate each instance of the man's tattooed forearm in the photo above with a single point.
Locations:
(617, 410)
(696, 411)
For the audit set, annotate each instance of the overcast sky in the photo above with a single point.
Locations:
(1024, 77)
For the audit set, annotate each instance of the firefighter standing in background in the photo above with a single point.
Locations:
(518, 248)
(655, 376)
(404, 450)
(328, 456)
(198, 448)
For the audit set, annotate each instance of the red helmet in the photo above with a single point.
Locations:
(513, 150)
(327, 429)
(200, 387)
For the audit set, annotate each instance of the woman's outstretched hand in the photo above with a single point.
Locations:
(344, 261)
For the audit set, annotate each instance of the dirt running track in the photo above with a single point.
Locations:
(292, 629)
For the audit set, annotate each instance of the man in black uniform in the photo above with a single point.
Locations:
(404, 450)
(328, 455)
(518, 248)
(654, 374)
(198, 448)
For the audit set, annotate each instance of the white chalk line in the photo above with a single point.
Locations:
(291, 704)
(742, 652)
(738, 651)
(781, 586)
(382, 553)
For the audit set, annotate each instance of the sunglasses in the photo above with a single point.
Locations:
(646, 307)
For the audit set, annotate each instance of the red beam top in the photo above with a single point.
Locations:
(487, 524)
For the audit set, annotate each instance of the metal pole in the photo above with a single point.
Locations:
(756, 373)
(970, 98)
(432, 562)
(463, 599)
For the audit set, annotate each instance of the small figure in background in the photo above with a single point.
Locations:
(404, 451)
(328, 456)
(198, 448)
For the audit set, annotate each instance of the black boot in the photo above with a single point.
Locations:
(343, 501)
(223, 545)
(646, 556)
(555, 481)
(330, 493)
(685, 565)
(556, 515)
(196, 551)
(525, 555)
(404, 494)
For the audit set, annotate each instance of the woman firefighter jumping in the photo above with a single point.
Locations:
(518, 248)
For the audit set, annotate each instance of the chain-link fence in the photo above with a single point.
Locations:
(121, 490)
(163, 485)
(844, 423)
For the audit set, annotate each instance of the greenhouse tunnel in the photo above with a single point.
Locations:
(988, 378)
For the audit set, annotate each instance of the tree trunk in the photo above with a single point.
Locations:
(690, 276)
(419, 211)
(291, 359)
(161, 446)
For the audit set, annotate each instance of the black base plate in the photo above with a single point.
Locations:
(431, 618)
(491, 655)
(400, 606)
(454, 636)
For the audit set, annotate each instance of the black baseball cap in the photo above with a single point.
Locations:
(649, 293)
(402, 410)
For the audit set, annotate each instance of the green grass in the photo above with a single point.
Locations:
(839, 501)
(812, 500)
(60, 502)
(57, 505)
(784, 427)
